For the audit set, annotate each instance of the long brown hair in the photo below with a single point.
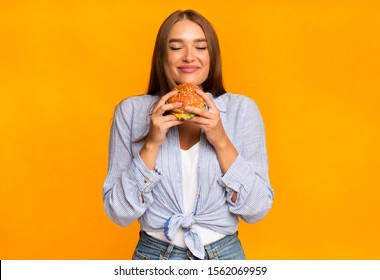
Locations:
(160, 81)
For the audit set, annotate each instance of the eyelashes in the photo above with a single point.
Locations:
(198, 48)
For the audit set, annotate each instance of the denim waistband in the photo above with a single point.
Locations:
(210, 249)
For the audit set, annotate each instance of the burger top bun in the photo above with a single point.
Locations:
(188, 97)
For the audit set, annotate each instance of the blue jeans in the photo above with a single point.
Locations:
(150, 248)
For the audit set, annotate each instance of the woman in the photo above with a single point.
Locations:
(187, 181)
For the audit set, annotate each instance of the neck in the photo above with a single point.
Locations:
(189, 135)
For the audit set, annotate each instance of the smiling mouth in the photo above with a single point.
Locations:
(188, 69)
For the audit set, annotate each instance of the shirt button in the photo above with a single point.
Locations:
(229, 183)
(146, 180)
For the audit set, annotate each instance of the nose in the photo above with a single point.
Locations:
(188, 56)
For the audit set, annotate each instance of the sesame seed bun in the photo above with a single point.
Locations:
(188, 97)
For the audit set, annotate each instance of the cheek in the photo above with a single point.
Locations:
(170, 58)
(206, 60)
(206, 63)
(170, 62)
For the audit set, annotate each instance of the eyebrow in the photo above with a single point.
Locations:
(174, 40)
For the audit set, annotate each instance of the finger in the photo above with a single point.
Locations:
(164, 99)
(210, 103)
(162, 120)
(172, 123)
(168, 107)
(198, 120)
(169, 118)
(199, 112)
(168, 95)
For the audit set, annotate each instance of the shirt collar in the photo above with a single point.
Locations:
(220, 102)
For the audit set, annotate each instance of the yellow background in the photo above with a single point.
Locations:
(311, 66)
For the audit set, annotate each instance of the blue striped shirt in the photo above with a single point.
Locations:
(131, 191)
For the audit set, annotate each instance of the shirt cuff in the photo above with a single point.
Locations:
(236, 175)
(146, 179)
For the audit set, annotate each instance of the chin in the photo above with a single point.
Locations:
(191, 80)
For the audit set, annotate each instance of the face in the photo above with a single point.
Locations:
(188, 55)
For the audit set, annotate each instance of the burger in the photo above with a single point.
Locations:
(188, 97)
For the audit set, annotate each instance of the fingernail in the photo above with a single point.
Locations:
(198, 91)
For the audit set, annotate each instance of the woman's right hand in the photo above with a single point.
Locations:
(159, 126)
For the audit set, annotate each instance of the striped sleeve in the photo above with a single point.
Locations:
(128, 185)
(248, 175)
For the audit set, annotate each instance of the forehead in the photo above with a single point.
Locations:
(186, 30)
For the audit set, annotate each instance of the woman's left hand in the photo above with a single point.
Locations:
(209, 121)
(212, 125)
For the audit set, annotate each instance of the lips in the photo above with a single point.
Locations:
(188, 68)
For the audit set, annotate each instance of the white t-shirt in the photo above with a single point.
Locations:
(190, 190)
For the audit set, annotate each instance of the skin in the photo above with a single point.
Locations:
(188, 56)
(188, 61)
